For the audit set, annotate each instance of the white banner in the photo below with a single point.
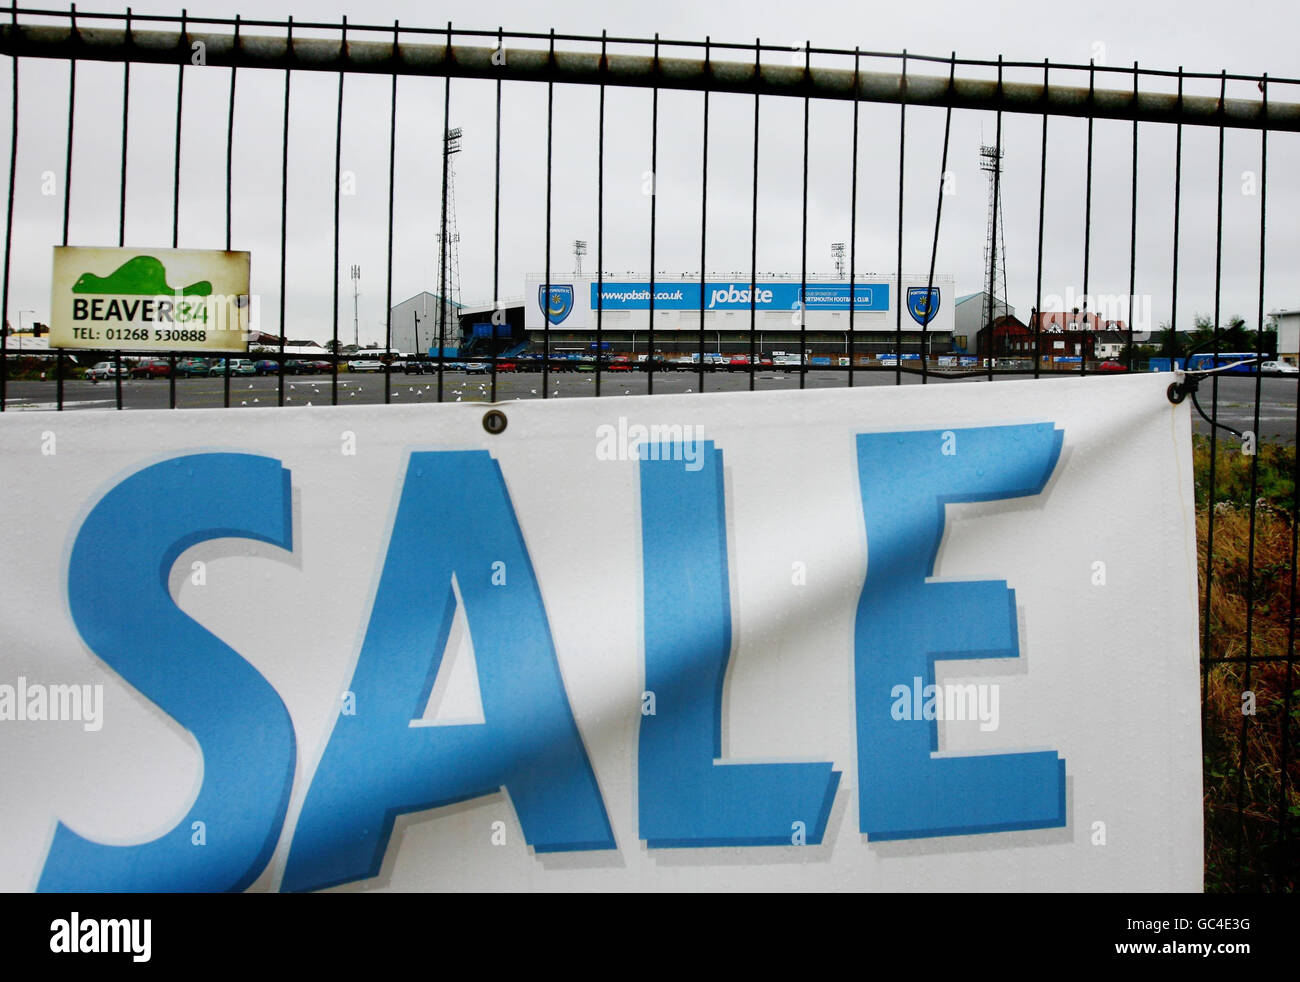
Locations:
(937, 638)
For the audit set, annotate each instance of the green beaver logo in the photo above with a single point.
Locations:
(141, 276)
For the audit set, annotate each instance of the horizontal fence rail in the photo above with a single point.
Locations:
(594, 68)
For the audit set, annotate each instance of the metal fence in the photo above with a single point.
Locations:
(1248, 630)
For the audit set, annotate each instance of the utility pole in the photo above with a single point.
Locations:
(356, 323)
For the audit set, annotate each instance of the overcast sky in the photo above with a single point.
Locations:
(1201, 36)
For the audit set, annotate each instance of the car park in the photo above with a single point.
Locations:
(151, 368)
(192, 367)
(238, 366)
(104, 371)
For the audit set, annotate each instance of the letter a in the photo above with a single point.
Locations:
(376, 765)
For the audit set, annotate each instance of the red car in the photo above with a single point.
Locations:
(1111, 366)
(153, 368)
(507, 366)
(621, 363)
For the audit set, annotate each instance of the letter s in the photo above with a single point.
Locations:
(120, 563)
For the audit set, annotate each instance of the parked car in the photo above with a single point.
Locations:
(151, 368)
(413, 367)
(1111, 366)
(191, 367)
(1280, 366)
(267, 367)
(621, 363)
(238, 366)
(507, 366)
(476, 368)
(365, 365)
(104, 371)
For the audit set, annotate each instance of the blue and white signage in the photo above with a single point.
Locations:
(731, 295)
(573, 304)
(256, 648)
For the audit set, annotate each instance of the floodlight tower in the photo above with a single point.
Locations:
(449, 251)
(837, 253)
(995, 239)
(579, 250)
(356, 323)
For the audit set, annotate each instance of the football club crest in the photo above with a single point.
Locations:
(560, 303)
(922, 303)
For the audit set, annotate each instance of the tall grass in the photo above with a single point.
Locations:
(1251, 612)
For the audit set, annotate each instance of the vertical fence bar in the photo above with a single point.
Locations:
(990, 347)
(67, 200)
(853, 215)
(338, 195)
(121, 220)
(1289, 681)
(1037, 314)
(902, 160)
(1087, 227)
(754, 356)
(704, 212)
(9, 235)
(388, 289)
(284, 203)
(176, 158)
(496, 231)
(230, 130)
(654, 199)
(1208, 579)
(1255, 484)
(176, 192)
(1133, 224)
(938, 220)
(442, 236)
(546, 305)
(600, 225)
(804, 357)
(230, 153)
